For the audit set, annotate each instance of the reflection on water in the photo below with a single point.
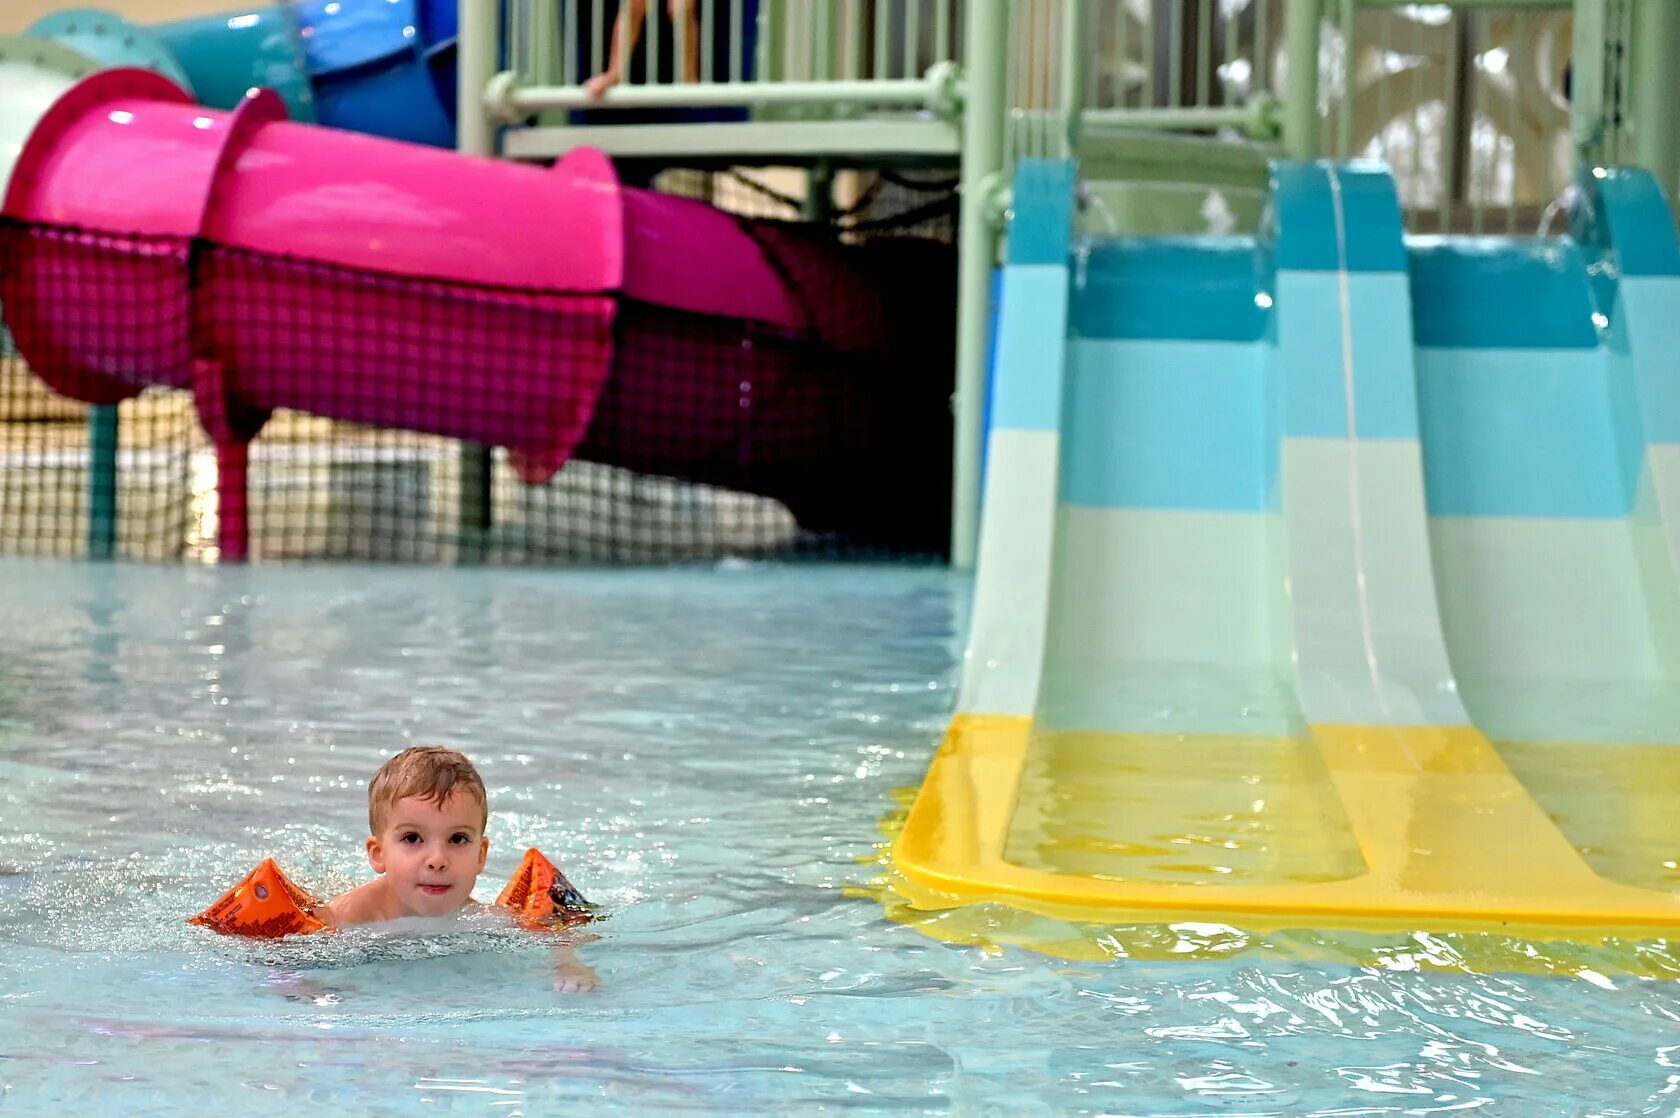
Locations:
(1202, 808)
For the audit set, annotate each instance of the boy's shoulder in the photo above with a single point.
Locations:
(361, 905)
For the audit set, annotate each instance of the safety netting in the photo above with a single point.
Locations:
(428, 419)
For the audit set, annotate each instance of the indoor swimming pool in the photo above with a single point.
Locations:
(710, 754)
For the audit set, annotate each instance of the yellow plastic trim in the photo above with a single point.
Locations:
(1448, 835)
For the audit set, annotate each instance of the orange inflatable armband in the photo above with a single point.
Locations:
(265, 904)
(541, 897)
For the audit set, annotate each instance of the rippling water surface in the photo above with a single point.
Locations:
(709, 753)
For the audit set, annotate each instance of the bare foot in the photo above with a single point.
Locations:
(600, 83)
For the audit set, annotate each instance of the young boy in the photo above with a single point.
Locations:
(427, 810)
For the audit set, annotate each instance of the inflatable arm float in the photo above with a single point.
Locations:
(266, 904)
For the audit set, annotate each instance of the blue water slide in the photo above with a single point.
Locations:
(217, 58)
(228, 55)
(111, 41)
(382, 67)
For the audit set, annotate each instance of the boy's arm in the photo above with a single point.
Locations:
(571, 974)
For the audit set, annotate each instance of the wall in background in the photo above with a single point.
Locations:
(15, 15)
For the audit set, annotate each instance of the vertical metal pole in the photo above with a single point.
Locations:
(1116, 60)
(1586, 83)
(770, 64)
(546, 64)
(708, 41)
(1167, 50)
(883, 22)
(818, 205)
(1202, 79)
(1460, 69)
(1300, 100)
(102, 482)
(1177, 47)
(1655, 108)
(1350, 51)
(986, 53)
(822, 41)
(854, 39)
(233, 521)
(912, 40)
(1074, 45)
(738, 35)
(478, 50)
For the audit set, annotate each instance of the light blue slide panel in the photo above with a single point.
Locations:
(1344, 334)
(1378, 347)
(1539, 433)
(1168, 404)
(1028, 395)
(1152, 424)
(1030, 348)
(1524, 410)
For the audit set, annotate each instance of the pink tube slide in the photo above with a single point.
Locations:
(263, 264)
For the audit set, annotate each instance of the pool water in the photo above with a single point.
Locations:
(709, 754)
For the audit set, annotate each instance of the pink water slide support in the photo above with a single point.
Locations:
(263, 264)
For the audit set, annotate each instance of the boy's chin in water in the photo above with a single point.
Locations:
(468, 917)
(423, 901)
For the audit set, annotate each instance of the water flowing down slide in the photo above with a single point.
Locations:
(264, 264)
(1327, 578)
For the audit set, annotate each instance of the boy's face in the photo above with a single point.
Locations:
(431, 853)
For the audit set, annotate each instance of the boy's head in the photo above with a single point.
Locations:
(429, 771)
(426, 818)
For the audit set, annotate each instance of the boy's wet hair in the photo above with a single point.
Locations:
(430, 772)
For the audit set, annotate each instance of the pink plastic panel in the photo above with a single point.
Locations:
(123, 151)
(690, 256)
(406, 210)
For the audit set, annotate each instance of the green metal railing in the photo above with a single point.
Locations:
(786, 58)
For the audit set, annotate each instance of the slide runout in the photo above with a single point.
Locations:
(1167, 743)
(1007, 626)
(1446, 836)
(1368, 645)
(1558, 584)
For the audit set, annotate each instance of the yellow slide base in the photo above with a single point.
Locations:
(1414, 828)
